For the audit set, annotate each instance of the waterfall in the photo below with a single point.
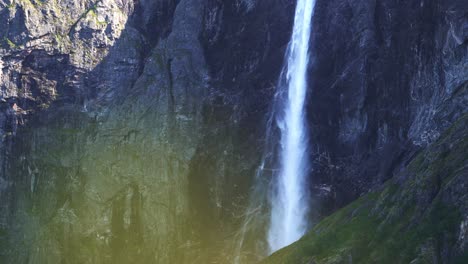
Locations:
(285, 162)
(289, 206)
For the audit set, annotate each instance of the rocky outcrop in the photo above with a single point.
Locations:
(51, 54)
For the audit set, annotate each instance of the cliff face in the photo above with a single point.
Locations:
(389, 77)
(419, 216)
(127, 133)
(131, 130)
(388, 80)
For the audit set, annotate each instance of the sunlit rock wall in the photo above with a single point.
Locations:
(135, 138)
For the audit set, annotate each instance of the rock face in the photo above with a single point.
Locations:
(131, 130)
(417, 217)
(389, 77)
(127, 133)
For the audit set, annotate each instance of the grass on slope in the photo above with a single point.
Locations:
(414, 219)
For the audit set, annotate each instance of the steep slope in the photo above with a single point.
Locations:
(420, 216)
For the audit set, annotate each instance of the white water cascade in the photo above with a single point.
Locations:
(288, 221)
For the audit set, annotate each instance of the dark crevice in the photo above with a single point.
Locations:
(160, 14)
(171, 86)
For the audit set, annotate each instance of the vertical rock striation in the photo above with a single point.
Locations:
(123, 135)
(389, 77)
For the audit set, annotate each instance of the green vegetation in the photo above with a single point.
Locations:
(90, 11)
(12, 4)
(415, 221)
(39, 2)
(10, 43)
